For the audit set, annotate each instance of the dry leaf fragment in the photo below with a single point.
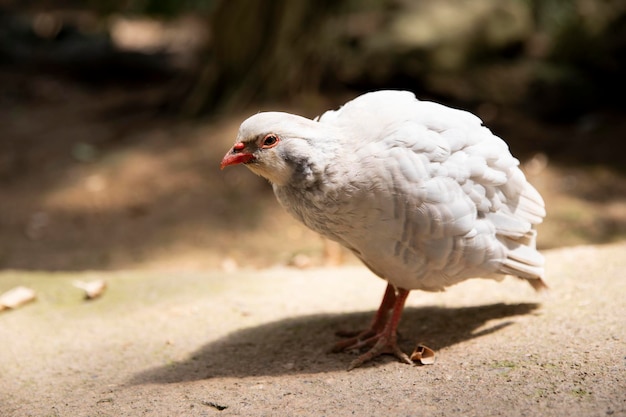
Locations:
(301, 261)
(229, 265)
(93, 289)
(15, 297)
(423, 355)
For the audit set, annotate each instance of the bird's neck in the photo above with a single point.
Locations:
(307, 172)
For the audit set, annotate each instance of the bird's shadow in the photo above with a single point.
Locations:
(300, 345)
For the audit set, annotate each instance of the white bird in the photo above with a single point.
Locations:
(423, 194)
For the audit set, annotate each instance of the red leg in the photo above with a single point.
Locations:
(382, 315)
(382, 335)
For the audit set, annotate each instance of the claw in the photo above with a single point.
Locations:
(383, 346)
(355, 341)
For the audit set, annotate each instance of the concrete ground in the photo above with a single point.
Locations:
(255, 343)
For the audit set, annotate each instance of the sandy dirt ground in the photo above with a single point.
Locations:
(255, 343)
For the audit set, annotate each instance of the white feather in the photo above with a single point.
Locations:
(424, 194)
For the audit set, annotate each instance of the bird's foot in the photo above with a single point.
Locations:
(353, 340)
(381, 343)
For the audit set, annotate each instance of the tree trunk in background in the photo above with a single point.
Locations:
(262, 48)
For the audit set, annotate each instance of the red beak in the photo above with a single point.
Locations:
(236, 156)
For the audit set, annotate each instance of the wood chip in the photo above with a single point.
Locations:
(16, 297)
(423, 355)
(93, 289)
(301, 261)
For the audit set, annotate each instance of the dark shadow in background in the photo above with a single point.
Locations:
(300, 345)
(88, 65)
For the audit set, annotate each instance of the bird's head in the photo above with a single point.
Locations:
(277, 145)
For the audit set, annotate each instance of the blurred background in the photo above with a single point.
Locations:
(114, 115)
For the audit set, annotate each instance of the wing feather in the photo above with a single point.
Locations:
(461, 205)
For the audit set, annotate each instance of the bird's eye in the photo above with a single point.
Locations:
(269, 141)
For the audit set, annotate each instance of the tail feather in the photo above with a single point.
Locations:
(538, 284)
(521, 270)
(523, 260)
